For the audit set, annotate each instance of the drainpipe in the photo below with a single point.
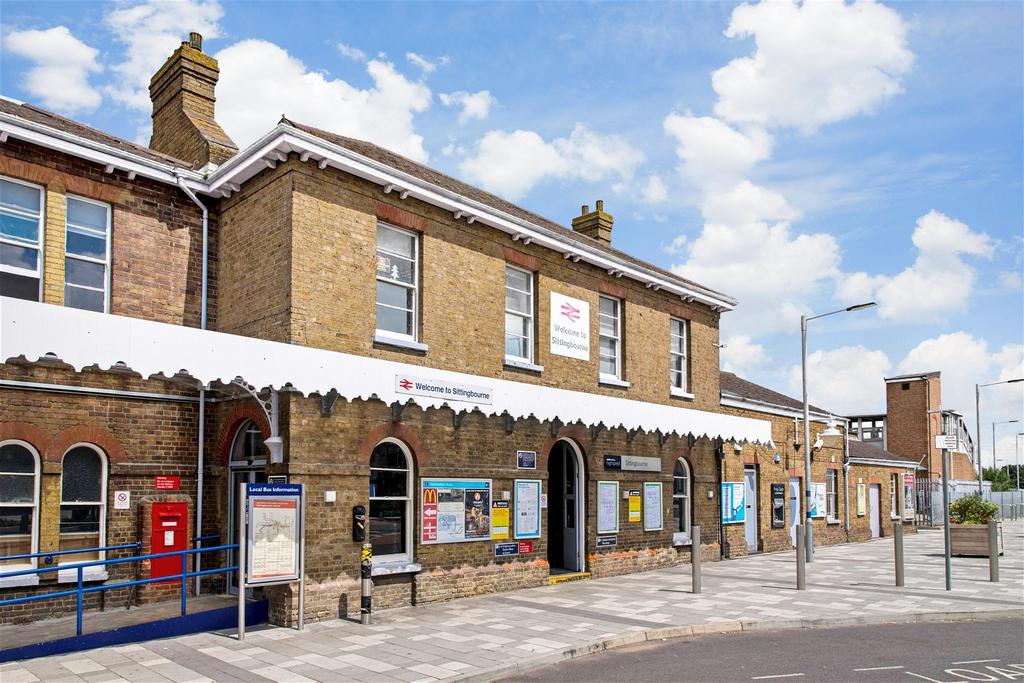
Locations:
(846, 480)
(200, 466)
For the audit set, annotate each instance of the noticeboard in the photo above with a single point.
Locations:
(653, 516)
(527, 511)
(273, 552)
(733, 502)
(455, 510)
(818, 506)
(909, 482)
(607, 507)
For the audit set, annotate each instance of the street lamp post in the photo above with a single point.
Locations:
(977, 423)
(809, 536)
(995, 465)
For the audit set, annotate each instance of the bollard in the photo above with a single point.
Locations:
(993, 550)
(695, 559)
(366, 592)
(801, 576)
(897, 544)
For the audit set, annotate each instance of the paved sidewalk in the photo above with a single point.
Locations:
(497, 635)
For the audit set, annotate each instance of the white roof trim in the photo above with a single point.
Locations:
(733, 401)
(884, 463)
(84, 338)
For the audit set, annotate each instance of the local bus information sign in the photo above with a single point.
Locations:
(275, 519)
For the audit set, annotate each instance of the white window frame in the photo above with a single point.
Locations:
(415, 286)
(895, 484)
(32, 563)
(529, 316)
(617, 377)
(88, 259)
(95, 572)
(831, 495)
(40, 243)
(410, 524)
(682, 537)
(683, 389)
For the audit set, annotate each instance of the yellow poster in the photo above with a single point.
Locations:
(861, 502)
(634, 505)
(499, 520)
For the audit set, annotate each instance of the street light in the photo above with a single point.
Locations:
(1001, 422)
(804, 319)
(977, 421)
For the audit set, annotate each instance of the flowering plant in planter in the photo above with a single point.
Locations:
(972, 509)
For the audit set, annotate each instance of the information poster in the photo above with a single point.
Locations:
(861, 499)
(570, 327)
(499, 520)
(817, 500)
(274, 512)
(607, 507)
(455, 510)
(653, 520)
(527, 502)
(633, 510)
(778, 506)
(908, 497)
(733, 499)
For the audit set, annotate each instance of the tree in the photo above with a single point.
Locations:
(1000, 479)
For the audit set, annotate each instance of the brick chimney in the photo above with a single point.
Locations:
(596, 224)
(182, 95)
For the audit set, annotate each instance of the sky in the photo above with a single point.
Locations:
(798, 157)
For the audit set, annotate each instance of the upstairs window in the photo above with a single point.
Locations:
(519, 328)
(19, 503)
(83, 486)
(21, 229)
(610, 348)
(397, 282)
(677, 368)
(87, 260)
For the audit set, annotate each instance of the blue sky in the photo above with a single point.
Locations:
(799, 157)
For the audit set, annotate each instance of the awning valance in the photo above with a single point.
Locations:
(83, 338)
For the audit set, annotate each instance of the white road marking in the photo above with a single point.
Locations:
(879, 668)
(977, 661)
(762, 678)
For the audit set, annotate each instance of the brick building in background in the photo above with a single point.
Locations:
(320, 310)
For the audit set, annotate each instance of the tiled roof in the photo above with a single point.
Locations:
(869, 451)
(430, 175)
(738, 387)
(41, 116)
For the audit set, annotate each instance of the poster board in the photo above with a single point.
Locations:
(499, 520)
(527, 512)
(778, 506)
(734, 507)
(909, 486)
(818, 505)
(455, 510)
(607, 507)
(653, 514)
(862, 504)
(633, 509)
(274, 530)
(570, 327)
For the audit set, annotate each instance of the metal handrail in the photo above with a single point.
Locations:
(80, 551)
(208, 537)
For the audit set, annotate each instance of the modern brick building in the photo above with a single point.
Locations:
(180, 319)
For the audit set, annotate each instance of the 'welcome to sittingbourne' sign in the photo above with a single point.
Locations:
(448, 391)
(570, 327)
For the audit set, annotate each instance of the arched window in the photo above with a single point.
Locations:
(390, 517)
(19, 503)
(248, 448)
(681, 499)
(83, 502)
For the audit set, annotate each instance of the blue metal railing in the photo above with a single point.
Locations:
(48, 557)
(80, 590)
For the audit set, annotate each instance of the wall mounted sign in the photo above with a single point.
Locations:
(633, 514)
(733, 502)
(653, 520)
(167, 483)
(818, 506)
(570, 327)
(607, 507)
(528, 505)
(499, 520)
(908, 497)
(275, 513)
(447, 391)
(778, 506)
(122, 500)
(455, 510)
(861, 499)
(506, 549)
(632, 463)
(607, 541)
(525, 547)
(526, 460)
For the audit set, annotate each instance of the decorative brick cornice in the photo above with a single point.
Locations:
(400, 217)
(523, 260)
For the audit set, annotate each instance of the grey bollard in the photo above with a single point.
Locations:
(993, 550)
(695, 559)
(801, 571)
(897, 543)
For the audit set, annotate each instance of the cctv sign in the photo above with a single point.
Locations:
(570, 327)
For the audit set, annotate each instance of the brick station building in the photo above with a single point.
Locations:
(180, 319)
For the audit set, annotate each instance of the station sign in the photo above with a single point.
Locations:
(632, 463)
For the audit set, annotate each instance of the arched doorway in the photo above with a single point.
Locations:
(566, 509)
(247, 464)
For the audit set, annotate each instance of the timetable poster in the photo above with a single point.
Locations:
(455, 510)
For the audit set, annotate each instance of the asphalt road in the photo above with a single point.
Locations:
(949, 652)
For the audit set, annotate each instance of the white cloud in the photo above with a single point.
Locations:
(151, 31)
(62, 63)
(677, 246)
(424, 64)
(846, 380)
(815, 63)
(350, 52)
(713, 154)
(654, 190)
(476, 105)
(511, 164)
(938, 283)
(746, 203)
(1010, 280)
(259, 81)
(742, 355)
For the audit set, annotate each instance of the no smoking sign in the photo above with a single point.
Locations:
(122, 500)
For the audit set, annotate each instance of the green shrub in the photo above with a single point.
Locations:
(972, 510)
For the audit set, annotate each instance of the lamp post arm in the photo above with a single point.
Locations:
(977, 432)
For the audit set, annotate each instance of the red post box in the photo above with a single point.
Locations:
(169, 533)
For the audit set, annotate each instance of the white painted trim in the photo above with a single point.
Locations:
(31, 563)
(680, 393)
(884, 463)
(96, 391)
(772, 409)
(609, 381)
(408, 556)
(401, 342)
(522, 365)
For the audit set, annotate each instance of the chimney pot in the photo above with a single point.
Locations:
(600, 205)
(595, 224)
(195, 40)
(584, 210)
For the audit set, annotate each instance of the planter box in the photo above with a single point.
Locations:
(971, 540)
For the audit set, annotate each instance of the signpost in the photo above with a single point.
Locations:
(942, 441)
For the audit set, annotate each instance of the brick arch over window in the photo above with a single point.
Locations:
(27, 432)
(97, 436)
(575, 433)
(245, 410)
(395, 430)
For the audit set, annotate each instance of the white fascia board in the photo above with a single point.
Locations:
(884, 463)
(772, 409)
(101, 154)
(85, 338)
(286, 138)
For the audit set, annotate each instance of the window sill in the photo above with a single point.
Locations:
(832, 521)
(522, 365)
(399, 343)
(88, 574)
(23, 580)
(679, 393)
(679, 539)
(396, 567)
(613, 382)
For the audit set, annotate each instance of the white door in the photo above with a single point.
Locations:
(874, 510)
(794, 507)
(750, 514)
(570, 548)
